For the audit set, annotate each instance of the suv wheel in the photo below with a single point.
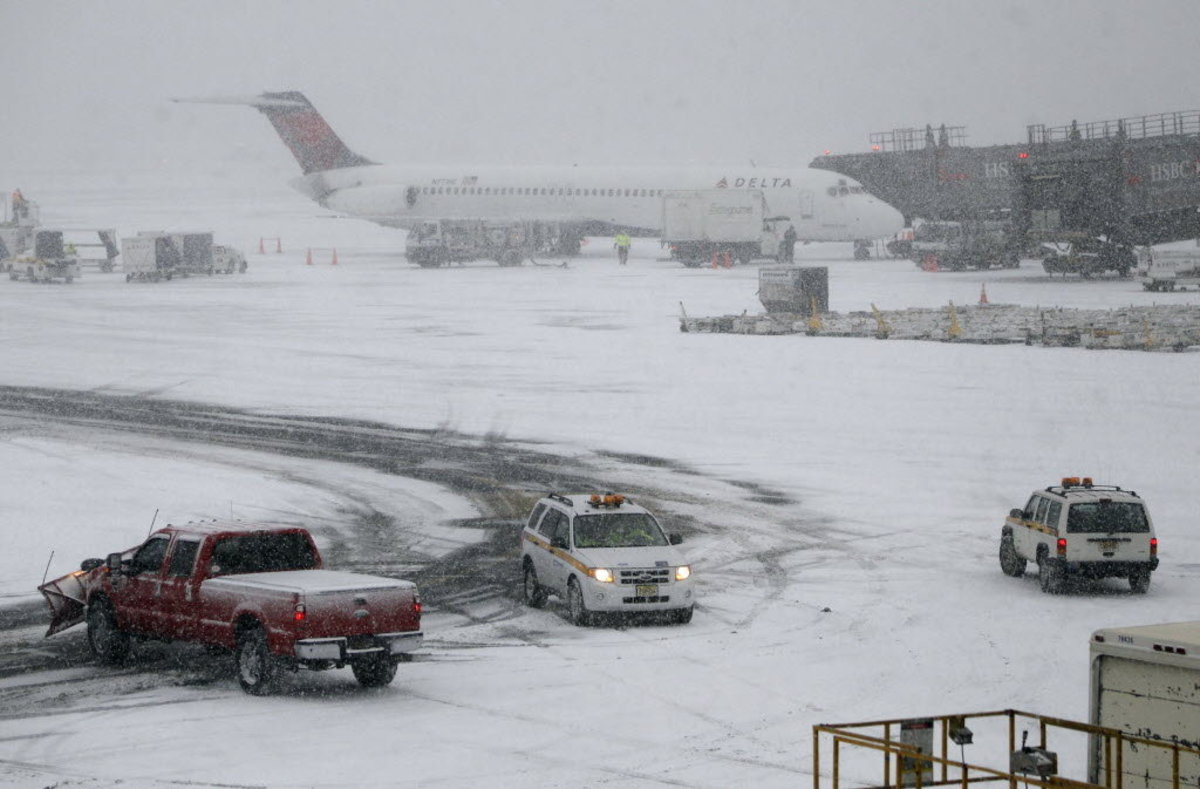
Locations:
(577, 606)
(535, 595)
(1049, 575)
(1010, 562)
(1139, 581)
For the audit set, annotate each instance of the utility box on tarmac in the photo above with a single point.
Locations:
(1146, 682)
(794, 289)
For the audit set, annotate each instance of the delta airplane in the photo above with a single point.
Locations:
(821, 205)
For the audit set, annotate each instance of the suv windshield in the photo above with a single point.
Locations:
(1107, 517)
(617, 530)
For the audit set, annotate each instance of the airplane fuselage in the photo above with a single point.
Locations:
(822, 206)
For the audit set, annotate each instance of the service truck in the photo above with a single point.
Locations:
(1145, 681)
(258, 589)
(956, 246)
(702, 226)
(48, 259)
(440, 242)
(1168, 269)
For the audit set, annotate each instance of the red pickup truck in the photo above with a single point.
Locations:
(256, 589)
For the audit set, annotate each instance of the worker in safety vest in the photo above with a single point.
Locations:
(621, 243)
(20, 207)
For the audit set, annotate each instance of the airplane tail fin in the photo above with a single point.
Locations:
(311, 140)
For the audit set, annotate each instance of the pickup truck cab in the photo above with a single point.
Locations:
(256, 589)
(603, 554)
(1080, 529)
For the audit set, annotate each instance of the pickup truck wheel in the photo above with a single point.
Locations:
(374, 671)
(1049, 576)
(1139, 581)
(108, 642)
(577, 606)
(1010, 562)
(535, 595)
(256, 666)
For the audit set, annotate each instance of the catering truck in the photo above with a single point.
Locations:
(700, 223)
(1145, 681)
(259, 590)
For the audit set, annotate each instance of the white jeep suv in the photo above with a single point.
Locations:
(1084, 530)
(603, 553)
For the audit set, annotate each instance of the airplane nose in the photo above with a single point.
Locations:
(882, 219)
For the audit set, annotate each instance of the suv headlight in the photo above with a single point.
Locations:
(683, 572)
(602, 574)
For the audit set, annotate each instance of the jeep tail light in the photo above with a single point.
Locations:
(1154, 546)
(300, 614)
(1062, 546)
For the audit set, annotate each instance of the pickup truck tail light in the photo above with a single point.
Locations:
(1154, 546)
(300, 614)
(1062, 546)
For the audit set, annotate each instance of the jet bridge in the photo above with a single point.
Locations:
(1134, 179)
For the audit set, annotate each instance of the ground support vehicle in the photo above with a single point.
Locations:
(1145, 681)
(1088, 257)
(1171, 269)
(706, 226)
(227, 260)
(258, 590)
(441, 242)
(156, 255)
(957, 246)
(603, 554)
(48, 259)
(1079, 529)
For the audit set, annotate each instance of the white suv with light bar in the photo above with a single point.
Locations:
(1079, 529)
(603, 554)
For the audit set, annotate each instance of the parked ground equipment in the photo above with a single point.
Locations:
(1145, 681)
(49, 259)
(957, 246)
(440, 242)
(1171, 269)
(1087, 256)
(702, 226)
(803, 290)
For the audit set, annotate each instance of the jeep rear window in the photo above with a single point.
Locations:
(617, 530)
(262, 553)
(1107, 517)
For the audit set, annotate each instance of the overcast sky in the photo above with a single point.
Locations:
(87, 82)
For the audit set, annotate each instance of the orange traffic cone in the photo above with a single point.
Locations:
(714, 261)
(728, 261)
(983, 295)
(335, 256)
(261, 249)
(308, 257)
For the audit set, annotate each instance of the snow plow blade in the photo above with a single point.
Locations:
(67, 598)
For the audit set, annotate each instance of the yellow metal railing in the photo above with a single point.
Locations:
(901, 760)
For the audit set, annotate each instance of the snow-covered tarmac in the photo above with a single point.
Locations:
(850, 491)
